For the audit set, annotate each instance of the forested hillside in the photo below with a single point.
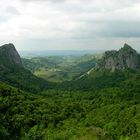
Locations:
(101, 104)
(13, 73)
(109, 113)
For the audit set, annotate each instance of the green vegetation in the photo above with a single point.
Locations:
(83, 103)
(60, 68)
(97, 80)
(21, 78)
(105, 113)
(13, 73)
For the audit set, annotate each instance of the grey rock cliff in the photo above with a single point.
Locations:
(125, 58)
(9, 56)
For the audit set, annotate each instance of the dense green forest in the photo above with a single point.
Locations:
(107, 113)
(22, 78)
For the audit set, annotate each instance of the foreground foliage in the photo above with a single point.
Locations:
(22, 78)
(105, 113)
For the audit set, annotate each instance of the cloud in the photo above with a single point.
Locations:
(11, 10)
(72, 21)
(56, 1)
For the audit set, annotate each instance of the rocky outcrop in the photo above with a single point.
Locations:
(125, 58)
(13, 73)
(9, 56)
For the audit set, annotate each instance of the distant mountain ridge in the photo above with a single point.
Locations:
(124, 58)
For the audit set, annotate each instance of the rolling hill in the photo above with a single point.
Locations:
(60, 68)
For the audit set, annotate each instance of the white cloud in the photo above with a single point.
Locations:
(94, 20)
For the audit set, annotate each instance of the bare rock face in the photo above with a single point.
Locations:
(9, 56)
(125, 58)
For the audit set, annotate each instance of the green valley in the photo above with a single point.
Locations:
(60, 68)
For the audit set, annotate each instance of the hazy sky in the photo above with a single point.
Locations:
(70, 24)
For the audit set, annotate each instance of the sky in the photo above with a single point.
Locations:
(70, 24)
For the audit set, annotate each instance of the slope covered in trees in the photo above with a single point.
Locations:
(108, 113)
(13, 72)
(100, 105)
